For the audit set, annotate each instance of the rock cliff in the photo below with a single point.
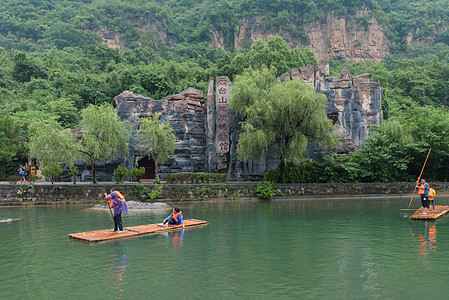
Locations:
(353, 103)
(333, 38)
(185, 112)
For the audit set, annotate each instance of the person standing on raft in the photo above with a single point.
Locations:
(175, 218)
(119, 204)
(423, 191)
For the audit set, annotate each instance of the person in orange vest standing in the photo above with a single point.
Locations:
(175, 218)
(423, 191)
(118, 203)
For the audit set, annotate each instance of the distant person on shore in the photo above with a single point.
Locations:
(175, 218)
(423, 191)
(432, 194)
(21, 172)
(118, 203)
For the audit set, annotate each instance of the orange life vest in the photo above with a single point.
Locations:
(422, 189)
(119, 195)
(175, 214)
(432, 193)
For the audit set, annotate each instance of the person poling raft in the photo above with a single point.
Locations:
(118, 203)
(423, 191)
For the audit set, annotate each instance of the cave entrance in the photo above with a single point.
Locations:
(150, 167)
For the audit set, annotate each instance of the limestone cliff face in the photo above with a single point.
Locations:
(354, 104)
(332, 39)
(414, 35)
(150, 25)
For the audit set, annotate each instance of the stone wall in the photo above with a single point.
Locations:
(64, 194)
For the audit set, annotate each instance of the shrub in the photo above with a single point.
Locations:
(265, 190)
(309, 171)
(196, 177)
(202, 192)
(272, 175)
(74, 172)
(51, 171)
(143, 192)
(136, 173)
(26, 189)
(119, 173)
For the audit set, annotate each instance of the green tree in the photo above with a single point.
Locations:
(274, 53)
(52, 146)
(26, 68)
(385, 156)
(160, 139)
(102, 135)
(11, 144)
(279, 119)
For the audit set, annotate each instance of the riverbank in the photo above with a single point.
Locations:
(43, 193)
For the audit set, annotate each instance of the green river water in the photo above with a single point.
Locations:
(314, 249)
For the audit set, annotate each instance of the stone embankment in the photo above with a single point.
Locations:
(84, 194)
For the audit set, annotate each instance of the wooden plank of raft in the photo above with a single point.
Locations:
(431, 214)
(104, 235)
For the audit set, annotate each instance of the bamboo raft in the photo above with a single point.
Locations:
(104, 235)
(431, 214)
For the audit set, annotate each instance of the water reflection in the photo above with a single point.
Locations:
(176, 237)
(120, 261)
(427, 241)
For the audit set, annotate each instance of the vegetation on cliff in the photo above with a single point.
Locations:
(38, 25)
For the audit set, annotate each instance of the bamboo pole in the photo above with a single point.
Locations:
(110, 210)
(419, 177)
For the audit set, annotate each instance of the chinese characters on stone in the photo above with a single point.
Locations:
(223, 94)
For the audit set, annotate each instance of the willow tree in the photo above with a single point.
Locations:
(279, 118)
(102, 135)
(160, 139)
(52, 146)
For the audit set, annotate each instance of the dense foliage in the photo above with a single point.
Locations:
(279, 118)
(37, 25)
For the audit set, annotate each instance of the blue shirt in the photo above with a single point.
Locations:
(179, 219)
(426, 190)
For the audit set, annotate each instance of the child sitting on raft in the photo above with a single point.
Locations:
(175, 218)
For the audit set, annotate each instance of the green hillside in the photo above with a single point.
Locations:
(38, 25)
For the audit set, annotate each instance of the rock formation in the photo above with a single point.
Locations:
(332, 39)
(185, 112)
(353, 103)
